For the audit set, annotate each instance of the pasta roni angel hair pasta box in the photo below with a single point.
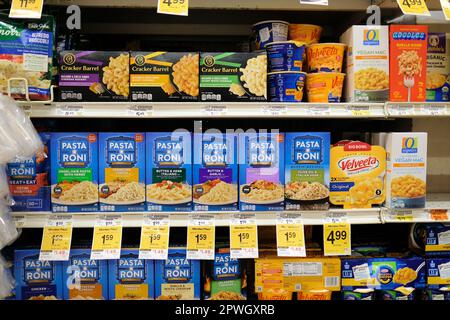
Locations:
(85, 279)
(169, 171)
(307, 170)
(131, 278)
(261, 171)
(122, 171)
(215, 172)
(74, 172)
(35, 279)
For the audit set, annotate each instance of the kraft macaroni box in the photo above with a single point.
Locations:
(406, 169)
(177, 278)
(74, 172)
(437, 239)
(438, 273)
(29, 180)
(131, 278)
(307, 170)
(122, 171)
(438, 67)
(35, 279)
(408, 63)
(215, 174)
(261, 171)
(169, 171)
(85, 279)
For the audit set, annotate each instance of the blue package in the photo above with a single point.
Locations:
(437, 239)
(286, 86)
(394, 295)
(285, 55)
(438, 273)
(268, 31)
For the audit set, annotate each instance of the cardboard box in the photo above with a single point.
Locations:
(437, 239)
(438, 67)
(438, 273)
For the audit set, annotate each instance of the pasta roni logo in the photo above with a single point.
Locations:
(130, 269)
(25, 169)
(385, 274)
(168, 151)
(225, 267)
(409, 145)
(371, 37)
(121, 152)
(177, 268)
(73, 152)
(215, 151)
(308, 149)
(36, 271)
(358, 164)
(261, 151)
(88, 270)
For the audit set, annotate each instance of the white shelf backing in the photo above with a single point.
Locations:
(417, 109)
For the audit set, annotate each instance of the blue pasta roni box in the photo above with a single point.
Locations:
(169, 171)
(437, 239)
(215, 172)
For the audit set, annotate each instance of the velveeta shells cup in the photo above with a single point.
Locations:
(325, 57)
(307, 33)
(324, 86)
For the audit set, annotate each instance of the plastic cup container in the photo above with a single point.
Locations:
(325, 57)
(268, 31)
(307, 33)
(285, 55)
(286, 86)
(324, 86)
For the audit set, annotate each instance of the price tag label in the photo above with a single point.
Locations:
(358, 111)
(200, 237)
(69, 111)
(139, 111)
(415, 7)
(31, 9)
(20, 220)
(243, 237)
(274, 110)
(438, 214)
(445, 4)
(402, 215)
(175, 7)
(56, 239)
(319, 110)
(433, 110)
(290, 236)
(316, 2)
(336, 237)
(401, 110)
(107, 239)
(155, 237)
(215, 110)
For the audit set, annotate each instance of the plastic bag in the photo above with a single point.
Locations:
(7, 282)
(4, 188)
(8, 231)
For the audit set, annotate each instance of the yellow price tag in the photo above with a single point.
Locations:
(445, 4)
(243, 239)
(154, 238)
(415, 7)
(175, 7)
(336, 239)
(56, 243)
(107, 239)
(200, 238)
(290, 240)
(31, 9)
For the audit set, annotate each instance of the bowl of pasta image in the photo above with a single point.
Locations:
(408, 191)
(75, 193)
(310, 195)
(215, 192)
(122, 192)
(169, 192)
(252, 78)
(262, 192)
(372, 84)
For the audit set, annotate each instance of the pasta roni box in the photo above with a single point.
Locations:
(437, 239)
(122, 171)
(131, 278)
(215, 172)
(74, 172)
(164, 76)
(438, 280)
(438, 67)
(85, 279)
(35, 279)
(177, 278)
(29, 180)
(261, 171)
(307, 170)
(169, 171)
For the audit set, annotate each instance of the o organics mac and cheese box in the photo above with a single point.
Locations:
(122, 171)
(438, 67)
(131, 278)
(169, 171)
(357, 174)
(215, 172)
(406, 170)
(261, 171)
(74, 172)
(307, 170)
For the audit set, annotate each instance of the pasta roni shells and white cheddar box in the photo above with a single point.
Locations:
(406, 169)
(437, 239)
(438, 280)
(177, 278)
(261, 171)
(367, 63)
(35, 279)
(169, 171)
(215, 172)
(74, 172)
(357, 174)
(85, 279)
(131, 278)
(307, 170)
(122, 171)
(438, 67)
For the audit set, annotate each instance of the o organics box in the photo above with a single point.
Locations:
(122, 171)
(164, 76)
(169, 171)
(437, 239)
(438, 67)
(408, 63)
(215, 172)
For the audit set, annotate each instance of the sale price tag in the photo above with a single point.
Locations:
(155, 237)
(200, 237)
(415, 7)
(107, 239)
(56, 239)
(290, 236)
(175, 7)
(438, 214)
(336, 238)
(243, 237)
(31, 9)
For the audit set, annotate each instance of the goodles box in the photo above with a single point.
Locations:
(122, 171)
(131, 278)
(169, 171)
(215, 172)
(307, 170)
(437, 239)
(85, 279)
(35, 279)
(261, 171)
(177, 278)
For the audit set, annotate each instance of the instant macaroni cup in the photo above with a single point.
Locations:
(324, 87)
(286, 86)
(269, 31)
(285, 55)
(325, 57)
(308, 33)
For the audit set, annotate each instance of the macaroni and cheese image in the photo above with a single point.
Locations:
(371, 79)
(408, 186)
(185, 74)
(436, 80)
(409, 64)
(325, 57)
(11, 69)
(262, 191)
(75, 192)
(169, 192)
(306, 191)
(254, 75)
(405, 276)
(324, 86)
(116, 75)
(215, 192)
(225, 295)
(364, 190)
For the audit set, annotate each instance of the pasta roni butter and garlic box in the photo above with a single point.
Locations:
(35, 279)
(122, 171)
(438, 279)
(131, 278)
(169, 171)
(74, 172)
(215, 172)
(177, 278)
(438, 67)
(261, 171)
(307, 170)
(437, 239)
(85, 279)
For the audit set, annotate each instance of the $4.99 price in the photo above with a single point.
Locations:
(336, 239)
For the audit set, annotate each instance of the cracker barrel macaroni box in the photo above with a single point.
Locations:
(437, 239)
(85, 279)
(74, 172)
(215, 172)
(169, 171)
(122, 171)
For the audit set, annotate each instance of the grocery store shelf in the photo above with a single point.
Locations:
(417, 109)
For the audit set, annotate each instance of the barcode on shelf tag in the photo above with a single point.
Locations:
(20, 220)
(69, 110)
(215, 110)
(273, 110)
(401, 215)
(322, 110)
(433, 110)
(140, 111)
(27, 109)
(358, 111)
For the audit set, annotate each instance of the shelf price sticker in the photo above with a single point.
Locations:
(318, 110)
(56, 239)
(200, 237)
(155, 237)
(243, 237)
(358, 111)
(336, 237)
(315, 2)
(414, 7)
(139, 111)
(175, 7)
(20, 220)
(438, 214)
(445, 4)
(433, 110)
(290, 236)
(107, 239)
(401, 215)
(215, 110)
(69, 110)
(31, 9)
(274, 110)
